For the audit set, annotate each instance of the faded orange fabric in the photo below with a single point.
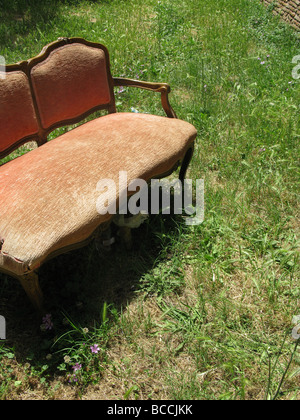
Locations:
(48, 196)
(17, 115)
(72, 80)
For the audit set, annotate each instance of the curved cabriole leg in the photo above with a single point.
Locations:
(185, 163)
(30, 283)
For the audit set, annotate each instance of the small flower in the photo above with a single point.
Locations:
(73, 378)
(95, 348)
(121, 90)
(85, 330)
(47, 323)
(67, 359)
(76, 367)
(262, 149)
(262, 62)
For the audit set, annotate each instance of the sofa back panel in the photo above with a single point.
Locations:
(71, 81)
(17, 115)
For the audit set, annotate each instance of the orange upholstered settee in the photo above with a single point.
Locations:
(48, 195)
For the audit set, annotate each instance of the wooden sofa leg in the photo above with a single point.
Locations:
(30, 283)
(185, 163)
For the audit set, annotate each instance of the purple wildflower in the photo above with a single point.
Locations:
(76, 367)
(47, 322)
(73, 378)
(95, 348)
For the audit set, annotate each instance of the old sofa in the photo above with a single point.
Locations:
(48, 195)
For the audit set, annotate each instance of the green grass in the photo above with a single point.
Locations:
(201, 312)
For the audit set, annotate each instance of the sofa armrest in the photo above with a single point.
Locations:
(163, 88)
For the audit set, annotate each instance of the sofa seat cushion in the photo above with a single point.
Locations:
(49, 195)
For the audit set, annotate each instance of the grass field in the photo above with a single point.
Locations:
(192, 312)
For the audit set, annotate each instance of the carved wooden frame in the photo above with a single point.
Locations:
(30, 281)
(163, 88)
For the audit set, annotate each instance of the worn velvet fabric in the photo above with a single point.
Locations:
(48, 196)
(17, 114)
(71, 81)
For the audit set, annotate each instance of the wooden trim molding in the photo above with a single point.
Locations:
(163, 88)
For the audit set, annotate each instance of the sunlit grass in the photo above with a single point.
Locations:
(200, 312)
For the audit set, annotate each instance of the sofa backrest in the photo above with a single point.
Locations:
(70, 78)
(66, 82)
(18, 121)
